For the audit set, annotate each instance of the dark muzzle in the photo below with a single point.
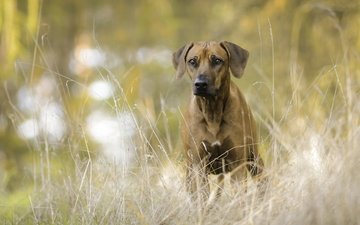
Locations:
(202, 86)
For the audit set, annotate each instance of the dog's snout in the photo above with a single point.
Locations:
(201, 82)
(203, 86)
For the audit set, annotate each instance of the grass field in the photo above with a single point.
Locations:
(312, 162)
(90, 111)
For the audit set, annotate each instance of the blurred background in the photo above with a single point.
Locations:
(94, 79)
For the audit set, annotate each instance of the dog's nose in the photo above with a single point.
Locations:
(201, 83)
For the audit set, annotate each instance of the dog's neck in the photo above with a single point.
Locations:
(213, 107)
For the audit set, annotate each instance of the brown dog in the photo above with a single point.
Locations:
(219, 132)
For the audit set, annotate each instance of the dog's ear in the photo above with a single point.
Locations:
(238, 57)
(179, 59)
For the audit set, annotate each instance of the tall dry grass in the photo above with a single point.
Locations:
(312, 163)
(310, 140)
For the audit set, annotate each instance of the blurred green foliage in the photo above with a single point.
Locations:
(299, 43)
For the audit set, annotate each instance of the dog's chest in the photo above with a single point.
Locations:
(219, 155)
(213, 123)
(213, 128)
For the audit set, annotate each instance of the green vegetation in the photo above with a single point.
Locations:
(90, 111)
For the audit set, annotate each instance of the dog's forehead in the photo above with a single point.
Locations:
(207, 49)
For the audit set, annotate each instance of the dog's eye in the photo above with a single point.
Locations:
(216, 61)
(192, 62)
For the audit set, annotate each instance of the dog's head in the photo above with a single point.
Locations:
(208, 64)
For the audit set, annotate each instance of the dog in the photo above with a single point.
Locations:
(219, 132)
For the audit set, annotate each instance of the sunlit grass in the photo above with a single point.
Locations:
(93, 148)
(311, 175)
(134, 174)
(309, 140)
